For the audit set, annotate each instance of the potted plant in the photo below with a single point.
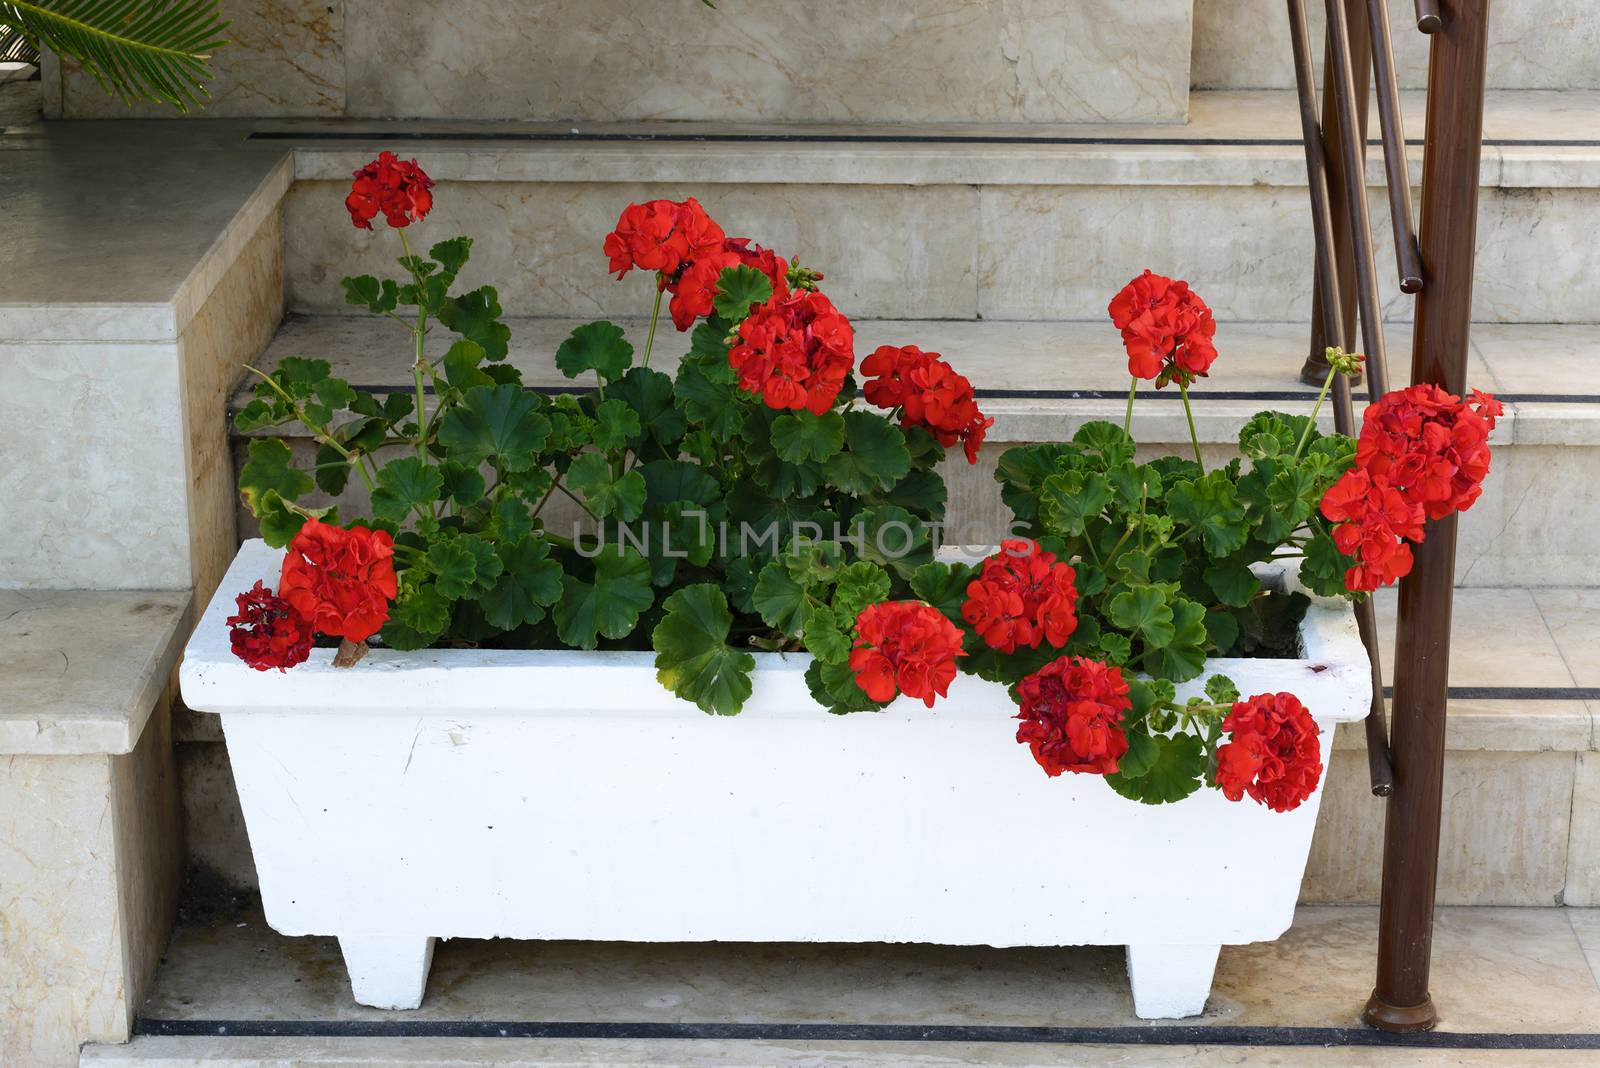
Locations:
(622, 730)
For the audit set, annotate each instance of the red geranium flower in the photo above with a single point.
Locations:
(907, 647)
(647, 237)
(1375, 520)
(1167, 329)
(929, 393)
(1273, 755)
(795, 351)
(1430, 445)
(1072, 716)
(1022, 596)
(341, 581)
(268, 632)
(396, 187)
(695, 288)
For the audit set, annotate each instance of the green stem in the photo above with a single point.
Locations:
(322, 434)
(420, 330)
(1305, 435)
(650, 338)
(1127, 419)
(1188, 413)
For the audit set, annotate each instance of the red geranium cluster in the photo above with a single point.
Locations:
(397, 188)
(1072, 716)
(1022, 596)
(340, 581)
(688, 251)
(1423, 453)
(795, 351)
(929, 393)
(1273, 753)
(1166, 328)
(268, 632)
(907, 647)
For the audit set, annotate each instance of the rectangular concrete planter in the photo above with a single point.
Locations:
(554, 794)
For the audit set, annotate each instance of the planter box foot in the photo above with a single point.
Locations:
(1171, 981)
(387, 972)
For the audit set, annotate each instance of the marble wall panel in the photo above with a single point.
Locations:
(888, 252)
(1538, 521)
(1583, 865)
(101, 504)
(1503, 840)
(1060, 252)
(1533, 44)
(232, 327)
(284, 58)
(89, 851)
(830, 60)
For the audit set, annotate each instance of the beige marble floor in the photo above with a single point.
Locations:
(1495, 970)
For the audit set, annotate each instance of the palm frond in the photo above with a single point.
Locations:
(136, 49)
(15, 46)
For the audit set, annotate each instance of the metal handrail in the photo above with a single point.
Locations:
(1428, 18)
(1406, 256)
(1379, 766)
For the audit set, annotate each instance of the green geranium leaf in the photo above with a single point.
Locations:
(1221, 690)
(827, 635)
(476, 317)
(462, 484)
(365, 291)
(1324, 568)
(605, 494)
(923, 493)
(405, 484)
(1070, 500)
(610, 605)
(455, 568)
(1141, 755)
(833, 686)
(615, 424)
(1233, 582)
(693, 658)
(737, 289)
(424, 611)
(893, 537)
(779, 599)
(649, 393)
(1222, 627)
(1172, 775)
(270, 469)
(498, 423)
(1112, 443)
(1210, 505)
(1271, 434)
(944, 586)
(707, 392)
(529, 583)
(859, 584)
(452, 256)
(676, 480)
(599, 347)
(278, 522)
(875, 455)
(333, 470)
(1183, 656)
(461, 366)
(1142, 610)
(801, 436)
(1116, 646)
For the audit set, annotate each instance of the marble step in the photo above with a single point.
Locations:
(226, 988)
(956, 221)
(1537, 524)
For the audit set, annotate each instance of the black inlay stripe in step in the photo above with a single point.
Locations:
(1173, 1035)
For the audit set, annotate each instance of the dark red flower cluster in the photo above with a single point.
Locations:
(1072, 716)
(688, 251)
(1022, 596)
(268, 632)
(1167, 329)
(905, 647)
(795, 351)
(341, 581)
(1423, 454)
(1273, 753)
(1431, 445)
(929, 393)
(397, 188)
(1375, 521)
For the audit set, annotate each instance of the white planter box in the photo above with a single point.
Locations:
(552, 794)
